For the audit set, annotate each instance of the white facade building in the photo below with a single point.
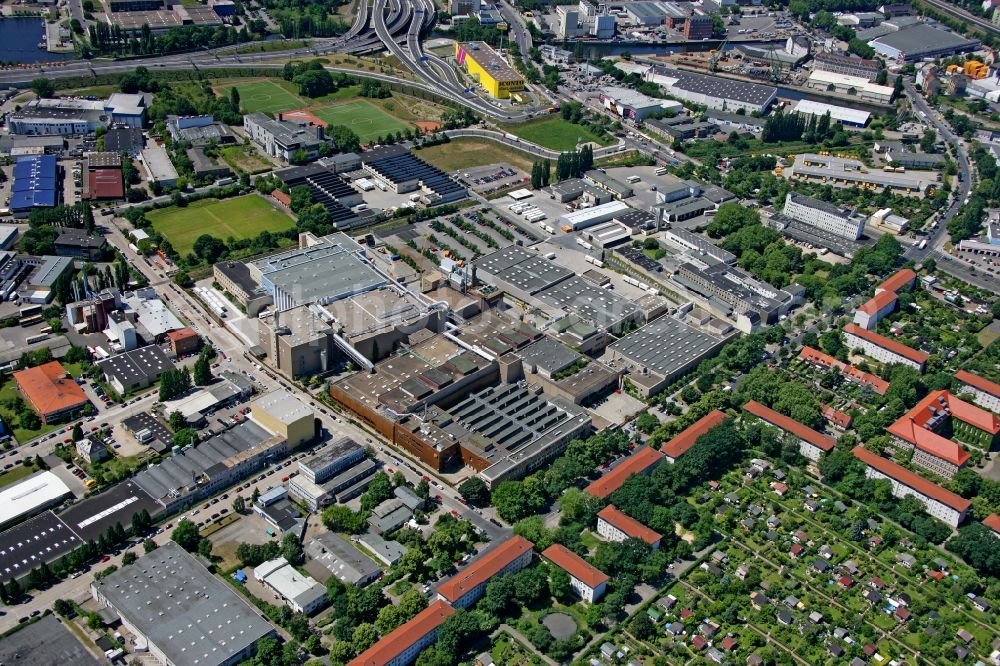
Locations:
(823, 216)
(882, 348)
(301, 593)
(942, 504)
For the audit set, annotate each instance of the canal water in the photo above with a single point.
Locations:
(19, 40)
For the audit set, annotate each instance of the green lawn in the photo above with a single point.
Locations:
(245, 159)
(368, 121)
(466, 152)
(10, 418)
(554, 133)
(242, 217)
(17, 473)
(265, 96)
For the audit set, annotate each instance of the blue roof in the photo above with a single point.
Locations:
(35, 182)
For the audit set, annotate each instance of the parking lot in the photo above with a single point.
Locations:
(492, 178)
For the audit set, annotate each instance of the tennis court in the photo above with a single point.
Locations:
(263, 96)
(367, 121)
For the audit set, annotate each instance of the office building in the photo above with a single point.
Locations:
(812, 445)
(282, 413)
(613, 525)
(882, 348)
(284, 139)
(489, 69)
(50, 391)
(234, 278)
(823, 216)
(930, 426)
(71, 117)
(300, 592)
(331, 460)
(155, 600)
(587, 581)
(985, 393)
(404, 644)
(346, 485)
(942, 504)
(467, 586)
(78, 244)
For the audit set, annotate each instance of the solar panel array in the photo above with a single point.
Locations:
(327, 188)
(405, 167)
(35, 182)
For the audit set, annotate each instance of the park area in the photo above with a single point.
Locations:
(239, 218)
(555, 133)
(366, 120)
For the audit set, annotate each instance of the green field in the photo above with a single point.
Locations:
(367, 121)
(554, 133)
(244, 158)
(264, 96)
(242, 217)
(463, 153)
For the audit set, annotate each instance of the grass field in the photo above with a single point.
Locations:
(468, 152)
(367, 121)
(265, 96)
(244, 158)
(17, 473)
(554, 133)
(242, 217)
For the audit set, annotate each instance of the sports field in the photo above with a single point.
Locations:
(264, 96)
(555, 133)
(368, 121)
(240, 217)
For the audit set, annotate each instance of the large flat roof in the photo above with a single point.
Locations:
(601, 307)
(341, 559)
(46, 641)
(717, 86)
(840, 113)
(665, 345)
(522, 268)
(921, 38)
(490, 60)
(137, 365)
(189, 614)
(44, 538)
(283, 406)
(93, 516)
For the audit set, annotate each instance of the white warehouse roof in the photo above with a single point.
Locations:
(587, 216)
(857, 82)
(35, 492)
(840, 113)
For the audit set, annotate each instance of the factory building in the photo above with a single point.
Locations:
(920, 42)
(715, 92)
(844, 172)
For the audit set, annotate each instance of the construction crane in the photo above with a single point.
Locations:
(713, 61)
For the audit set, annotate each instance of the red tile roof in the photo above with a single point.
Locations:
(638, 463)
(400, 639)
(992, 521)
(915, 481)
(181, 334)
(106, 184)
(836, 417)
(913, 425)
(790, 425)
(877, 302)
(898, 280)
(877, 384)
(575, 566)
(282, 197)
(728, 643)
(978, 382)
(886, 343)
(484, 568)
(629, 526)
(49, 388)
(698, 642)
(680, 444)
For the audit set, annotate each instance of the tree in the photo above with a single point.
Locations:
(43, 87)
(365, 635)
(209, 248)
(474, 491)
(291, 549)
(234, 99)
(177, 421)
(77, 434)
(515, 500)
(205, 548)
(239, 504)
(976, 544)
(130, 557)
(185, 437)
(559, 584)
(643, 627)
(148, 546)
(186, 535)
(202, 367)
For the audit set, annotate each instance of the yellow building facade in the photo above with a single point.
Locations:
(489, 69)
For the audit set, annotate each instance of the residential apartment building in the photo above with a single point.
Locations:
(401, 646)
(823, 216)
(985, 393)
(942, 504)
(643, 461)
(883, 303)
(613, 525)
(586, 580)
(467, 586)
(812, 445)
(283, 138)
(882, 348)
(849, 372)
(682, 443)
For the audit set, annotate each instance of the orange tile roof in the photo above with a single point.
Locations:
(836, 417)
(898, 280)
(48, 388)
(877, 302)
(886, 343)
(877, 384)
(913, 425)
(801, 431)
(282, 197)
(915, 481)
(978, 382)
(992, 521)
(629, 526)
(575, 566)
(484, 568)
(400, 639)
(637, 463)
(181, 334)
(680, 444)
